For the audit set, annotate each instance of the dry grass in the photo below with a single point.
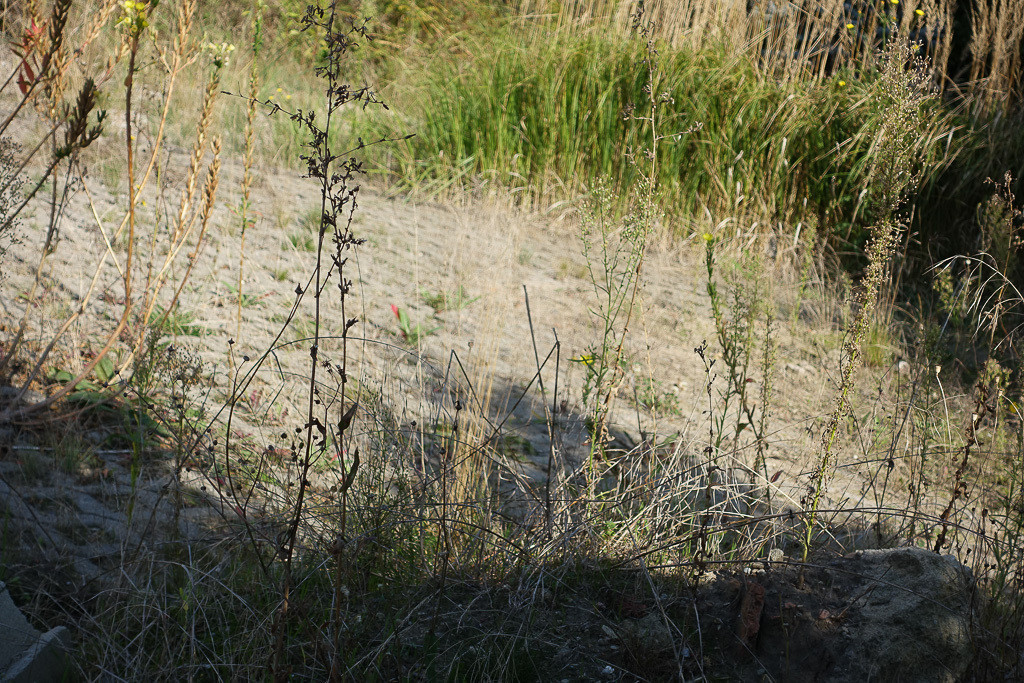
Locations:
(376, 498)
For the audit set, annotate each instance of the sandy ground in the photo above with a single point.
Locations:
(486, 256)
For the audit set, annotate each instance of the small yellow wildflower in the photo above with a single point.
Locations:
(919, 12)
(134, 18)
(278, 90)
(849, 26)
(287, 97)
(708, 237)
(895, 2)
(842, 84)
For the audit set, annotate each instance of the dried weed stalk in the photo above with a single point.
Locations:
(899, 93)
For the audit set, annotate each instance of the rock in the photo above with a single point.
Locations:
(95, 514)
(31, 396)
(800, 369)
(876, 615)
(649, 635)
(909, 619)
(25, 653)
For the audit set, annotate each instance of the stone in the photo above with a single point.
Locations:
(31, 396)
(910, 617)
(902, 614)
(26, 655)
(649, 634)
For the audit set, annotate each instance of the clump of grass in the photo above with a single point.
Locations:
(879, 345)
(454, 300)
(301, 241)
(177, 323)
(412, 333)
(550, 110)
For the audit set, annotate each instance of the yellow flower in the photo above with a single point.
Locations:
(287, 97)
(842, 84)
(708, 237)
(278, 90)
(895, 2)
(919, 12)
(849, 26)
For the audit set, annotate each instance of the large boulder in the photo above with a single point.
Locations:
(909, 619)
(903, 614)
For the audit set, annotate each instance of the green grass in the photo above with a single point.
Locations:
(248, 300)
(492, 99)
(301, 241)
(453, 300)
(552, 113)
(178, 322)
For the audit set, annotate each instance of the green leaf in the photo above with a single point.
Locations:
(62, 376)
(104, 370)
(87, 393)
